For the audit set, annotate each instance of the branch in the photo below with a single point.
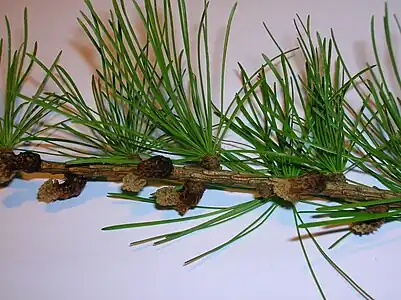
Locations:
(292, 189)
(195, 179)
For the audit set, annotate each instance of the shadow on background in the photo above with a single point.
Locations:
(20, 192)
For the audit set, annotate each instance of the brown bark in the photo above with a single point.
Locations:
(291, 189)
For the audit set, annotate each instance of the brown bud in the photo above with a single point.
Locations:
(190, 196)
(365, 228)
(133, 183)
(291, 189)
(49, 191)
(53, 190)
(155, 167)
(211, 162)
(266, 190)
(72, 186)
(335, 177)
(380, 208)
(167, 196)
(28, 162)
(7, 166)
(6, 173)
(284, 191)
(8, 156)
(368, 227)
(182, 200)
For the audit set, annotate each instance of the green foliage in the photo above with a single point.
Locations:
(146, 85)
(289, 141)
(374, 132)
(174, 87)
(20, 117)
(300, 224)
(284, 142)
(117, 128)
(220, 215)
(378, 122)
(152, 93)
(353, 212)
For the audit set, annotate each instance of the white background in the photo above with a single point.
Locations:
(57, 251)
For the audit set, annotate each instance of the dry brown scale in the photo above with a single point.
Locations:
(368, 227)
(53, 190)
(159, 167)
(7, 169)
(194, 179)
(10, 164)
